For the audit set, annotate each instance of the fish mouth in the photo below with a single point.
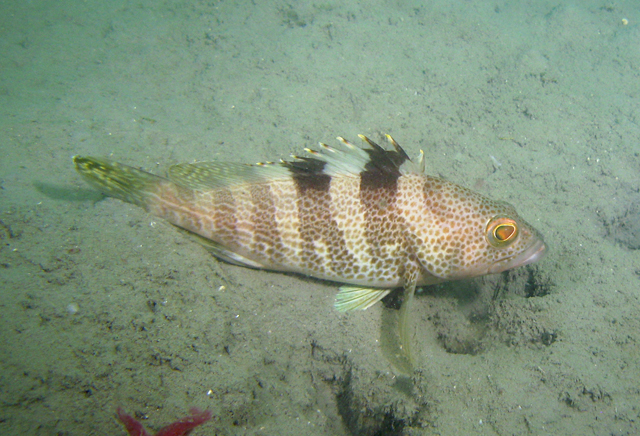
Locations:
(532, 254)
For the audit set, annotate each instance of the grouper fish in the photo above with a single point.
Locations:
(367, 217)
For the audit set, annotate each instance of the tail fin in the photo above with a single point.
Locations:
(116, 180)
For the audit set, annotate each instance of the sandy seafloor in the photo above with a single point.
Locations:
(103, 305)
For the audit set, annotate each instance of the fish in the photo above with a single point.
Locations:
(367, 217)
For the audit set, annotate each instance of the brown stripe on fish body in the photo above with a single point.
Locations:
(276, 223)
(222, 209)
(288, 248)
(323, 249)
(265, 224)
(263, 220)
(247, 219)
(437, 224)
(383, 224)
(177, 205)
(253, 235)
(209, 214)
(216, 213)
(456, 213)
(351, 256)
(236, 200)
(414, 201)
(313, 202)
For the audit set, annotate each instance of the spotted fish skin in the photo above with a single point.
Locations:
(367, 217)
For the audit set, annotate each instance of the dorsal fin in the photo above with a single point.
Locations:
(348, 161)
(353, 161)
(203, 176)
(382, 157)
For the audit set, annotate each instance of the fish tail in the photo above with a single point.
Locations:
(117, 180)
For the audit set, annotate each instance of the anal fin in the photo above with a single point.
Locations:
(222, 252)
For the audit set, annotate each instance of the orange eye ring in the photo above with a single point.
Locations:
(501, 231)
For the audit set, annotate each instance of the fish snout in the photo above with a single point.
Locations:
(534, 253)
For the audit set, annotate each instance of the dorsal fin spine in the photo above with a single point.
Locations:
(371, 143)
(399, 149)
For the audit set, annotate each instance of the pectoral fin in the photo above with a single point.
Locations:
(356, 298)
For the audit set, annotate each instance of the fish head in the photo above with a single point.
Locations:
(465, 234)
(511, 242)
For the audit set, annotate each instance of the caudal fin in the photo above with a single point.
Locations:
(116, 180)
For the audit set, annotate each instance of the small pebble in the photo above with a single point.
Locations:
(73, 308)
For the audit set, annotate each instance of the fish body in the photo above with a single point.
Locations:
(367, 217)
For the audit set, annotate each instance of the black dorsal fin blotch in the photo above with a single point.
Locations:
(385, 162)
(372, 143)
(308, 173)
(383, 168)
(304, 166)
(398, 149)
(376, 166)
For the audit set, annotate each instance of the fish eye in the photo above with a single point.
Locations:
(501, 231)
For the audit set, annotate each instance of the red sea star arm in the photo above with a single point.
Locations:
(131, 424)
(184, 426)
